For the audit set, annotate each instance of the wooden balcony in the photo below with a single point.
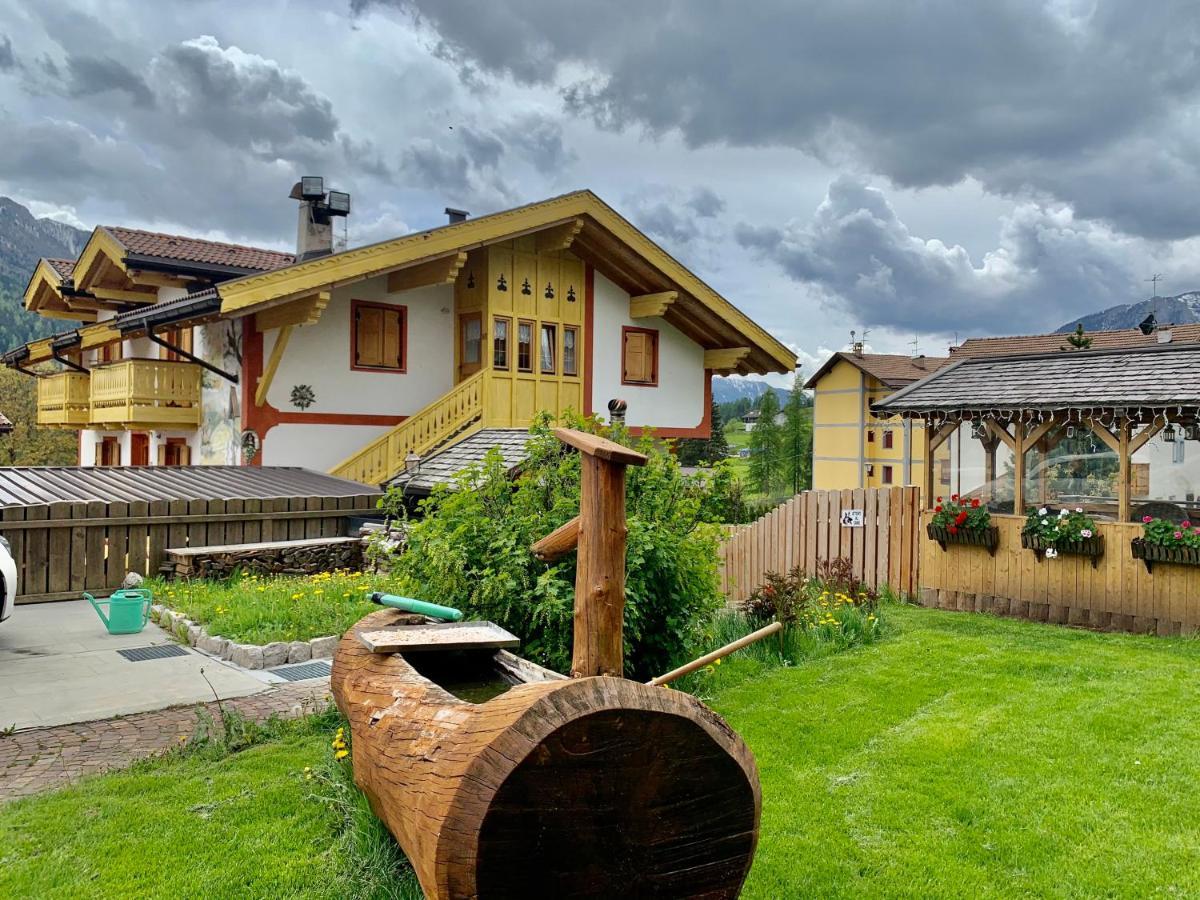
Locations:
(63, 400)
(145, 393)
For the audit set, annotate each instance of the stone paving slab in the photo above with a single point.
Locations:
(41, 759)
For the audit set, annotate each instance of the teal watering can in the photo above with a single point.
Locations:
(128, 610)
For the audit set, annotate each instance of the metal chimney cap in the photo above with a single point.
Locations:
(456, 215)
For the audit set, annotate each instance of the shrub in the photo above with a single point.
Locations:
(961, 513)
(471, 550)
(834, 605)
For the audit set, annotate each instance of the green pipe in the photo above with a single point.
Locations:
(407, 604)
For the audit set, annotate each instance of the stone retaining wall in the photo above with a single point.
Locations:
(248, 656)
(302, 557)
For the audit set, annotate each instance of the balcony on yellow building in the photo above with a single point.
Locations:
(63, 399)
(145, 393)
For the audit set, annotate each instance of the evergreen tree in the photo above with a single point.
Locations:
(797, 439)
(696, 451)
(29, 445)
(1077, 340)
(766, 447)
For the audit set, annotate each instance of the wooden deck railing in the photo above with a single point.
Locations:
(63, 399)
(147, 393)
(450, 414)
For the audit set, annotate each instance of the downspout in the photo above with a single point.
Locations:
(907, 451)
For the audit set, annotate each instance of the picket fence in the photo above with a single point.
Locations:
(808, 529)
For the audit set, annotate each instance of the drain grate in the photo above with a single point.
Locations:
(303, 671)
(161, 651)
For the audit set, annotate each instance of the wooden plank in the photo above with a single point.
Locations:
(37, 551)
(189, 552)
(184, 518)
(78, 550)
(139, 539)
(58, 576)
(97, 541)
(442, 637)
(857, 537)
(116, 563)
(158, 536)
(16, 539)
(197, 529)
(874, 534)
(217, 528)
(235, 530)
(295, 524)
(251, 528)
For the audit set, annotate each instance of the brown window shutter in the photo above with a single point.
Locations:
(393, 330)
(369, 336)
(162, 453)
(185, 455)
(635, 356)
(99, 458)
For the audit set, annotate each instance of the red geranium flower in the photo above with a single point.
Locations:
(960, 518)
(975, 504)
(939, 499)
(954, 496)
(938, 508)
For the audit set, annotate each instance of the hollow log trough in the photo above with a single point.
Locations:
(592, 786)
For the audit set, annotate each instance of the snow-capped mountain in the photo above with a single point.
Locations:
(1178, 310)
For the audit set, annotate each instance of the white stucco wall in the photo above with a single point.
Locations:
(319, 356)
(318, 447)
(678, 400)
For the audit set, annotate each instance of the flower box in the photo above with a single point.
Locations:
(1091, 547)
(988, 538)
(1151, 553)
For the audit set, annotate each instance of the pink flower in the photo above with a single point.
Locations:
(1146, 520)
(1196, 531)
(1179, 535)
(1185, 524)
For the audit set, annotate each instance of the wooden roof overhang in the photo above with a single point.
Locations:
(103, 276)
(52, 295)
(580, 222)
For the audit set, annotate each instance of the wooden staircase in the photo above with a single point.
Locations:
(454, 414)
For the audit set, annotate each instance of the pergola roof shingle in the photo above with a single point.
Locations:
(1160, 376)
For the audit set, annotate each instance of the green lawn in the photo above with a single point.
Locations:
(961, 756)
(258, 610)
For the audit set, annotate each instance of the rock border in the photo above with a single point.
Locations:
(248, 656)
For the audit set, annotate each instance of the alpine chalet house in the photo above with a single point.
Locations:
(365, 361)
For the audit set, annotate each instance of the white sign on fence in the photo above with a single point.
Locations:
(852, 518)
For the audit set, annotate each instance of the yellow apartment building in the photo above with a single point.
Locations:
(851, 447)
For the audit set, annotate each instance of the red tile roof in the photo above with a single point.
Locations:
(195, 250)
(892, 369)
(1124, 338)
(64, 267)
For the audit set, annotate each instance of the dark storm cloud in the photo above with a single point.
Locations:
(91, 75)
(1086, 103)
(7, 60)
(863, 259)
(706, 204)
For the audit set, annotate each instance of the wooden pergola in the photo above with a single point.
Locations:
(1124, 397)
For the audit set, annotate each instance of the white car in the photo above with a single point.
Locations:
(8, 580)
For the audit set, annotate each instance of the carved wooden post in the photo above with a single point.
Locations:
(600, 569)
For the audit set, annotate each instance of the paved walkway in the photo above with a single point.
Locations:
(41, 759)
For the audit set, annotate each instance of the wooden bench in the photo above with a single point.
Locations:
(300, 557)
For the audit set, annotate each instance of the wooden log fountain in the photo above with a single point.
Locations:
(591, 786)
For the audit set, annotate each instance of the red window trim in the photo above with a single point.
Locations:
(355, 306)
(626, 329)
(885, 476)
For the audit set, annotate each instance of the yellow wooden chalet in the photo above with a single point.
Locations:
(364, 361)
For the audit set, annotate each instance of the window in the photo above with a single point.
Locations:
(178, 337)
(548, 348)
(889, 439)
(887, 475)
(108, 452)
(500, 343)
(139, 449)
(570, 350)
(525, 346)
(870, 435)
(109, 352)
(639, 356)
(379, 337)
(174, 452)
(472, 340)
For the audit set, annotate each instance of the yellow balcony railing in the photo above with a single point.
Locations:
(63, 399)
(452, 413)
(146, 393)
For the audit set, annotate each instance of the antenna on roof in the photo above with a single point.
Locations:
(1154, 280)
(915, 344)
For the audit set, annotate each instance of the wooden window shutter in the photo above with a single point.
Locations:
(162, 453)
(636, 356)
(98, 460)
(391, 340)
(185, 455)
(369, 336)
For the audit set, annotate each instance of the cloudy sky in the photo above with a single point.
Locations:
(918, 169)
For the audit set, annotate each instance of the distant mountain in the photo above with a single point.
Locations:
(729, 390)
(1178, 310)
(23, 240)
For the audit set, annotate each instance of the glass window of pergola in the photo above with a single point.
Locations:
(1114, 432)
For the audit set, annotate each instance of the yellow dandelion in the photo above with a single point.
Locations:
(341, 754)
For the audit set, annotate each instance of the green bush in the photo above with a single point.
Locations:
(470, 549)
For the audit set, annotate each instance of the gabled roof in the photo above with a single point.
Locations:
(1145, 377)
(443, 466)
(64, 267)
(892, 369)
(598, 235)
(1101, 340)
(179, 248)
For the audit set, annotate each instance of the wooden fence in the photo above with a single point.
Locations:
(1117, 593)
(63, 549)
(807, 530)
